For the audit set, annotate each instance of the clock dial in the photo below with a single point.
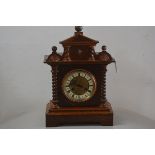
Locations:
(79, 85)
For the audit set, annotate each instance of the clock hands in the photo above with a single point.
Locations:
(77, 85)
(80, 86)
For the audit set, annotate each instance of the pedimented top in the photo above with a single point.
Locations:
(79, 39)
(79, 49)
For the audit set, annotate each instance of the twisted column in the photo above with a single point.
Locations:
(54, 84)
(103, 85)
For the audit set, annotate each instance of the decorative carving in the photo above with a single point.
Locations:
(92, 54)
(66, 54)
(82, 52)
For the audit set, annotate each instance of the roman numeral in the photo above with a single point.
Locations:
(75, 74)
(67, 89)
(82, 74)
(87, 77)
(90, 82)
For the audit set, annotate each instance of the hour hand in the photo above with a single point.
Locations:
(81, 87)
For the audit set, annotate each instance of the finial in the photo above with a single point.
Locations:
(78, 28)
(54, 48)
(104, 48)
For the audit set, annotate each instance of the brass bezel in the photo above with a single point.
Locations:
(78, 70)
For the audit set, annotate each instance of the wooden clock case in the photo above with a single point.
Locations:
(79, 53)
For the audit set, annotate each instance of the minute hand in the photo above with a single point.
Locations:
(81, 87)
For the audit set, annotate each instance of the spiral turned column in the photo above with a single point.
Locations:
(54, 84)
(103, 85)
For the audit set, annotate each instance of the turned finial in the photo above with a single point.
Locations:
(104, 48)
(78, 28)
(54, 49)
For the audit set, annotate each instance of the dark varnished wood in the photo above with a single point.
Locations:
(56, 116)
(96, 69)
(79, 53)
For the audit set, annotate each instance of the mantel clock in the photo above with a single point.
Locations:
(79, 83)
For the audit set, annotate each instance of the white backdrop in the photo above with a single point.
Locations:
(25, 82)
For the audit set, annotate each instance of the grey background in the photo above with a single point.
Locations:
(25, 82)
